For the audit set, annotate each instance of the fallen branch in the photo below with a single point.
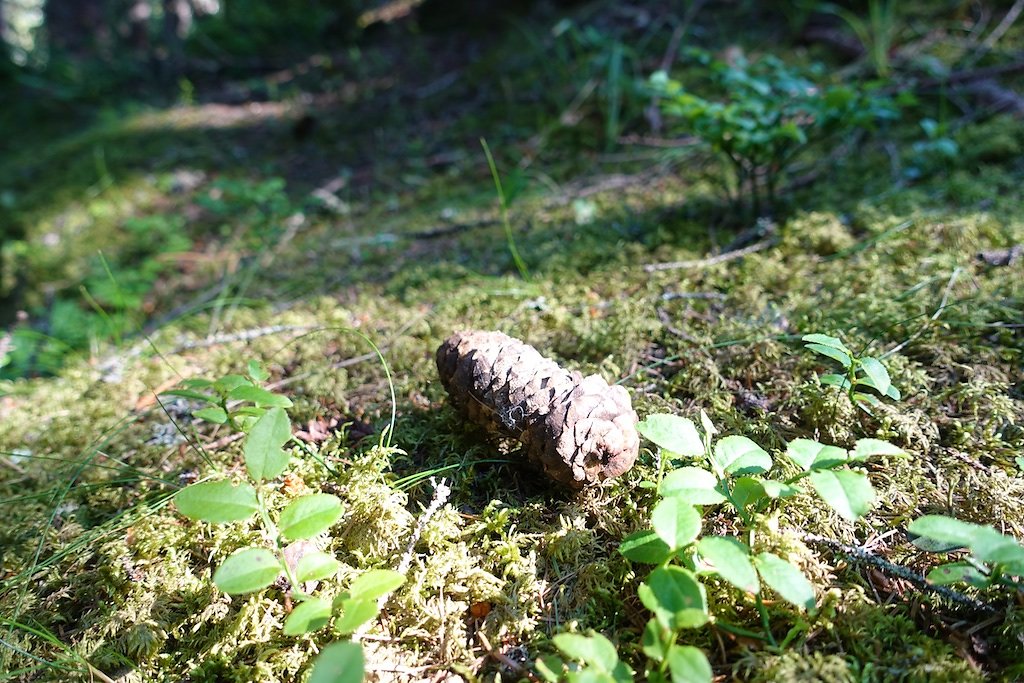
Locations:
(452, 229)
(714, 260)
(922, 584)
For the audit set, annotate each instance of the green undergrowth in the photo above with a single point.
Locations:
(97, 568)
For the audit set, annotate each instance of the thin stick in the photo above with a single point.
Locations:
(515, 666)
(714, 260)
(866, 557)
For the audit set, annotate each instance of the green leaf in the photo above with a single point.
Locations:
(786, 580)
(550, 668)
(746, 491)
(709, 428)
(193, 395)
(776, 489)
(825, 340)
(214, 414)
(308, 516)
(307, 616)
(673, 433)
(693, 485)
(655, 641)
(256, 371)
(355, 613)
(676, 598)
(246, 571)
(197, 383)
(847, 492)
(264, 458)
(869, 448)
(676, 522)
(945, 529)
(315, 566)
(834, 354)
(594, 650)
(339, 663)
(893, 393)
(689, 665)
(993, 547)
(877, 374)
(930, 545)
(813, 455)
(261, 397)
(840, 381)
(730, 559)
(958, 572)
(739, 455)
(228, 382)
(644, 547)
(375, 583)
(217, 501)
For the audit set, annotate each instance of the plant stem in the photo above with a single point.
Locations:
(761, 609)
(271, 529)
(738, 630)
(503, 204)
(744, 517)
(765, 624)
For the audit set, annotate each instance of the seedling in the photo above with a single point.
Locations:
(861, 373)
(732, 471)
(765, 115)
(261, 416)
(592, 658)
(995, 559)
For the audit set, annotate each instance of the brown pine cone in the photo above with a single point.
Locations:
(577, 429)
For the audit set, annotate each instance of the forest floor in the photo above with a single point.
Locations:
(268, 219)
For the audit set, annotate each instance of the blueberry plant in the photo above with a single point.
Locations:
(734, 472)
(759, 116)
(240, 402)
(860, 373)
(994, 559)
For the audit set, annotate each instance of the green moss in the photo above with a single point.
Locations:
(793, 666)
(88, 458)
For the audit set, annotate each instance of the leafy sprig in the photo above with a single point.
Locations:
(861, 373)
(736, 472)
(242, 403)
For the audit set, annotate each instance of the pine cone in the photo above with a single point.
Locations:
(577, 429)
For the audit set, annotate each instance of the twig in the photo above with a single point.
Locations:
(671, 296)
(862, 555)
(664, 143)
(441, 494)
(964, 76)
(241, 335)
(452, 229)
(714, 260)
(990, 41)
(513, 665)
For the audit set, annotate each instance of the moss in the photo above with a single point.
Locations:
(794, 666)
(818, 233)
(883, 263)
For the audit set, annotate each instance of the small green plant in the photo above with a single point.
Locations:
(503, 203)
(936, 152)
(762, 115)
(735, 472)
(240, 402)
(593, 659)
(861, 373)
(995, 559)
(877, 34)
